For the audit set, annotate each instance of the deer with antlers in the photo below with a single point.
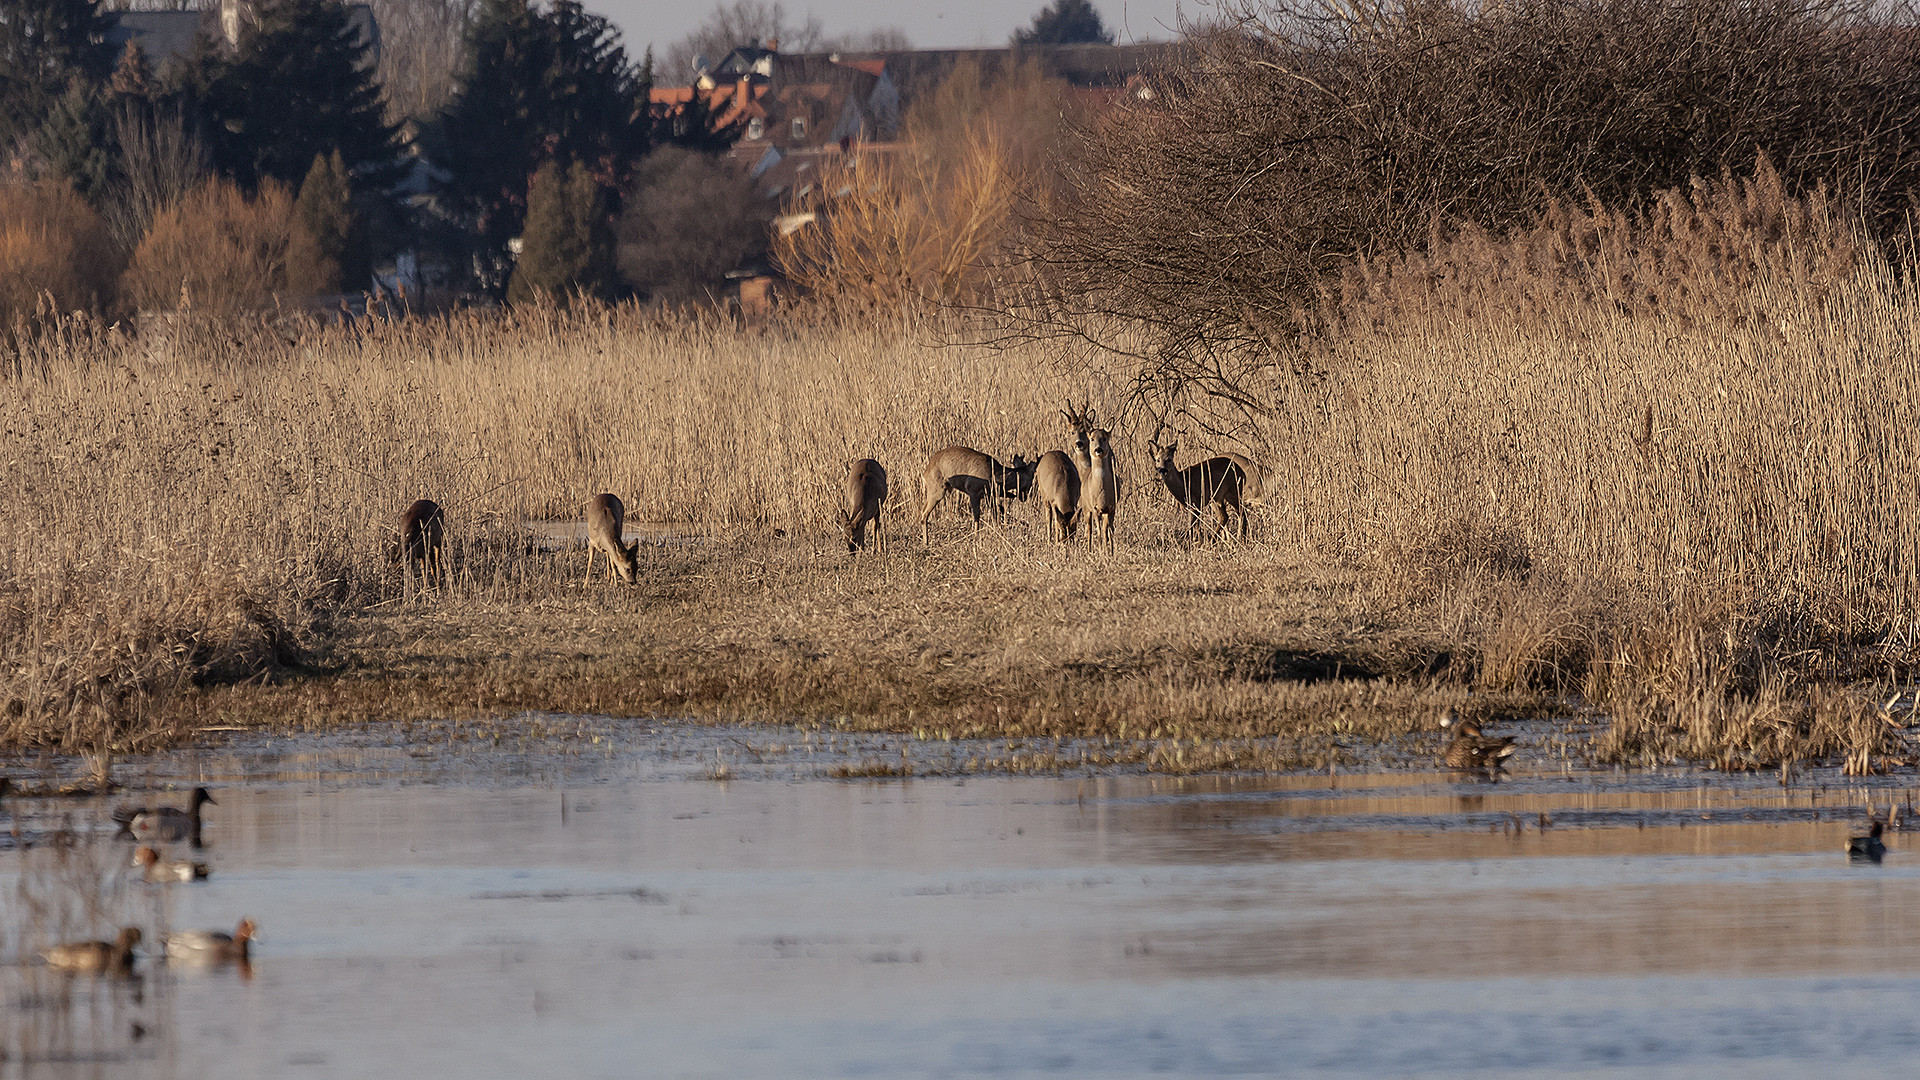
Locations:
(1099, 479)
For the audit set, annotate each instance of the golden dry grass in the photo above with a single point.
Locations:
(1692, 515)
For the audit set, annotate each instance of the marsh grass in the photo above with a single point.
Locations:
(1689, 510)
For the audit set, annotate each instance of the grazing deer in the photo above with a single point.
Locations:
(866, 501)
(1215, 481)
(975, 475)
(1057, 483)
(422, 532)
(606, 528)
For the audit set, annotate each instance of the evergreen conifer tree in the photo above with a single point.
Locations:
(567, 247)
(133, 75)
(77, 142)
(299, 83)
(43, 45)
(326, 253)
(1066, 22)
(541, 85)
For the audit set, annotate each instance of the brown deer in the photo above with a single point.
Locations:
(422, 534)
(1253, 480)
(866, 501)
(973, 474)
(1215, 481)
(1057, 484)
(1099, 479)
(606, 528)
(1100, 490)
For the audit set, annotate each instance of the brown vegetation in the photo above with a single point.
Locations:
(931, 219)
(1512, 472)
(55, 253)
(215, 250)
(1299, 136)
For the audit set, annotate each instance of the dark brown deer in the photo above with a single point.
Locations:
(866, 501)
(423, 530)
(1214, 482)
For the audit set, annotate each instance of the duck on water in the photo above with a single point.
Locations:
(165, 823)
(96, 957)
(1868, 848)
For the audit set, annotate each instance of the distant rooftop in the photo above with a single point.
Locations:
(169, 35)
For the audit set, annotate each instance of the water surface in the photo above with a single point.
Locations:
(603, 909)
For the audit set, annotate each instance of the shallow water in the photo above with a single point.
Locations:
(605, 911)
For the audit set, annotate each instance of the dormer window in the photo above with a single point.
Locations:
(799, 127)
(756, 128)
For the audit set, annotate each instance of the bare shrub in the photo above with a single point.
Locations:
(214, 250)
(54, 250)
(690, 219)
(1298, 137)
(932, 220)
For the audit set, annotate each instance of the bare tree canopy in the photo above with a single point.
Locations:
(757, 22)
(1216, 204)
(730, 26)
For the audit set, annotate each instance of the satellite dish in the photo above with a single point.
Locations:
(700, 64)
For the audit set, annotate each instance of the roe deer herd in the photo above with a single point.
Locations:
(1081, 488)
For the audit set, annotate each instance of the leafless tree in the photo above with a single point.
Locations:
(1213, 207)
(162, 158)
(422, 43)
(690, 219)
(730, 26)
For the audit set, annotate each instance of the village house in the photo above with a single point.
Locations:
(794, 110)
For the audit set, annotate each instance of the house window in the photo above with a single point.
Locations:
(799, 127)
(756, 128)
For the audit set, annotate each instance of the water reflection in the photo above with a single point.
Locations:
(615, 917)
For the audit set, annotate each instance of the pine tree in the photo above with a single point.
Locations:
(567, 247)
(43, 45)
(300, 83)
(1066, 22)
(326, 253)
(540, 86)
(77, 143)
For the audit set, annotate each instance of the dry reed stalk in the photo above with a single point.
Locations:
(1700, 500)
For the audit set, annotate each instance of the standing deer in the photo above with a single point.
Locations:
(866, 500)
(1099, 479)
(1215, 481)
(1253, 480)
(1100, 493)
(606, 527)
(422, 532)
(1057, 483)
(973, 474)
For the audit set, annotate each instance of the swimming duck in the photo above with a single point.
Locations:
(165, 822)
(1867, 848)
(115, 957)
(155, 869)
(1472, 750)
(211, 946)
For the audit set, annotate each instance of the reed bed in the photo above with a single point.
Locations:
(1693, 515)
